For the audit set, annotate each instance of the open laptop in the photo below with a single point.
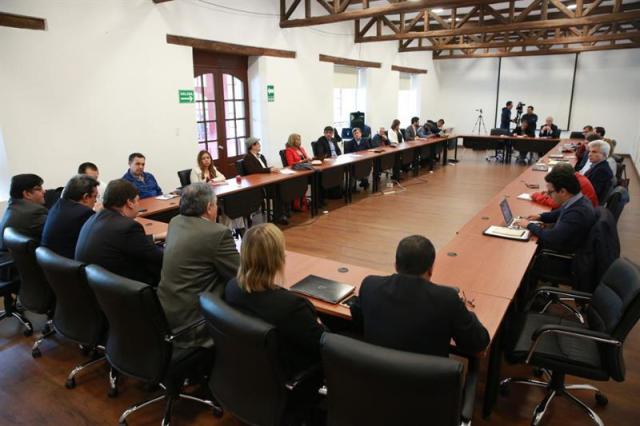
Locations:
(510, 230)
(322, 288)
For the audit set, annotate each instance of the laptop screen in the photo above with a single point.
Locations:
(506, 212)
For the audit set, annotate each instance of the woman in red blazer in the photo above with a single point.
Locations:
(294, 154)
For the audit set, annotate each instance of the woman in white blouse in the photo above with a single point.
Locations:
(394, 132)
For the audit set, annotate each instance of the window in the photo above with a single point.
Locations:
(221, 106)
(349, 93)
(407, 99)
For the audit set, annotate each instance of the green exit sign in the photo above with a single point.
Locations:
(186, 96)
(271, 93)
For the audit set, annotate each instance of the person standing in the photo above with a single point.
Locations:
(532, 121)
(505, 117)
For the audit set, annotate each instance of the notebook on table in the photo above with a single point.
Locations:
(511, 231)
(323, 289)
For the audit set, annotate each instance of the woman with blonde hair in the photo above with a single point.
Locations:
(206, 171)
(255, 291)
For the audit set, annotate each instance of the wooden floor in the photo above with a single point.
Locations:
(364, 233)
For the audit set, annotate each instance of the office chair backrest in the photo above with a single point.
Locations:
(185, 177)
(51, 196)
(615, 310)
(499, 132)
(240, 167)
(77, 315)
(246, 377)
(136, 343)
(372, 385)
(600, 249)
(576, 135)
(35, 293)
(616, 200)
(283, 157)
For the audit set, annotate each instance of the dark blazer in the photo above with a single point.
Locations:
(408, 313)
(252, 165)
(324, 150)
(63, 225)
(554, 133)
(601, 176)
(24, 216)
(199, 256)
(353, 146)
(571, 226)
(293, 316)
(410, 133)
(119, 244)
(505, 118)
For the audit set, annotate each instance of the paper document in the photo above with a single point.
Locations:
(524, 196)
(286, 171)
(506, 232)
(166, 196)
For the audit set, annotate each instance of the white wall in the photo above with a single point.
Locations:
(101, 82)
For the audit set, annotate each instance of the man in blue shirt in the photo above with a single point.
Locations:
(505, 118)
(145, 182)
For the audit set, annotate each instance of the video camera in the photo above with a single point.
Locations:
(520, 107)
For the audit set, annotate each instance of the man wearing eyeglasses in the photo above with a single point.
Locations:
(25, 212)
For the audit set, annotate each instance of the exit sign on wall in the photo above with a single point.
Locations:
(186, 96)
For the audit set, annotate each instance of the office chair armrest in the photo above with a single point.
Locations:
(596, 336)
(469, 390)
(553, 253)
(572, 294)
(182, 330)
(301, 376)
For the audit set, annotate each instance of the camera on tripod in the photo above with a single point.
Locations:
(519, 107)
(479, 110)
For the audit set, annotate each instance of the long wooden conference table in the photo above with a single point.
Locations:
(488, 270)
(509, 143)
(286, 184)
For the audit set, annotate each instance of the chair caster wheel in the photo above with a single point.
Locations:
(601, 399)
(112, 394)
(217, 412)
(28, 332)
(70, 383)
(36, 353)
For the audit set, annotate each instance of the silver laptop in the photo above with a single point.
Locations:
(511, 231)
(509, 220)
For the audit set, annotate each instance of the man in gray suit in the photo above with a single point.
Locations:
(200, 255)
(25, 212)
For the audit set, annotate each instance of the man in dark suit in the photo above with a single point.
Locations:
(505, 117)
(571, 221)
(68, 214)
(532, 120)
(600, 173)
(254, 161)
(358, 143)
(200, 256)
(25, 211)
(406, 311)
(114, 240)
(549, 130)
(327, 146)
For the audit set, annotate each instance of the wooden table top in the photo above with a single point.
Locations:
(152, 206)
(511, 137)
(152, 226)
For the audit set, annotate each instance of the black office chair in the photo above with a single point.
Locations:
(314, 148)
(593, 351)
(283, 157)
(247, 377)
(9, 289)
(51, 196)
(616, 201)
(240, 167)
(185, 177)
(576, 135)
(140, 343)
(35, 294)
(78, 316)
(372, 385)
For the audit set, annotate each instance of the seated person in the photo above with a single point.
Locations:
(395, 135)
(114, 240)
(426, 130)
(587, 129)
(583, 164)
(612, 143)
(571, 221)
(205, 170)
(91, 170)
(253, 161)
(327, 145)
(145, 182)
(532, 121)
(411, 132)
(525, 131)
(200, 255)
(407, 312)
(295, 154)
(585, 188)
(549, 130)
(358, 143)
(68, 214)
(25, 211)
(380, 138)
(256, 292)
(440, 125)
(600, 173)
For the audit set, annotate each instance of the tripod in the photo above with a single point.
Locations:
(479, 124)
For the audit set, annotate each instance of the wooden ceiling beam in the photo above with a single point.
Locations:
(560, 51)
(408, 70)
(389, 9)
(228, 48)
(21, 21)
(349, 62)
